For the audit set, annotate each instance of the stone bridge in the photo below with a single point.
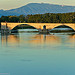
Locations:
(37, 25)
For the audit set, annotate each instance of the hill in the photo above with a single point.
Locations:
(38, 8)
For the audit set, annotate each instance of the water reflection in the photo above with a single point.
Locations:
(44, 39)
(37, 54)
(72, 37)
(9, 39)
(72, 40)
(37, 39)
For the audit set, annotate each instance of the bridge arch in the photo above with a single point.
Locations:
(64, 26)
(37, 25)
(25, 26)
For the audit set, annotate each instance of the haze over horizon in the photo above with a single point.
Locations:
(12, 4)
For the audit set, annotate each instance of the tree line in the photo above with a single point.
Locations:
(41, 18)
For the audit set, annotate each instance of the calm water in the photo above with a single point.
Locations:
(37, 54)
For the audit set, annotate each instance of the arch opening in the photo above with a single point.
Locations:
(22, 26)
(62, 28)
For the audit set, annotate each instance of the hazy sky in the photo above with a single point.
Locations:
(11, 4)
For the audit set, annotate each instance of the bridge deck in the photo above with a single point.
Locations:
(37, 25)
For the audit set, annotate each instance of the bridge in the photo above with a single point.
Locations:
(36, 25)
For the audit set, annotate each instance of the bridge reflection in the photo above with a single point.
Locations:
(44, 39)
(72, 37)
(37, 39)
(9, 39)
(72, 40)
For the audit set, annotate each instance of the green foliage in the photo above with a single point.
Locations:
(41, 18)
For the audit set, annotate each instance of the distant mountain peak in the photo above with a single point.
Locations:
(40, 8)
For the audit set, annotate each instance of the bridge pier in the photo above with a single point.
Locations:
(5, 29)
(44, 31)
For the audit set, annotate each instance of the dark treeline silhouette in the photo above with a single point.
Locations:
(41, 18)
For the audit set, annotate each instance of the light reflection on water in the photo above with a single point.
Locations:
(37, 39)
(37, 54)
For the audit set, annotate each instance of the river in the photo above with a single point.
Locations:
(37, 54)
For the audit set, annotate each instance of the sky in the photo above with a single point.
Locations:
(12, 4)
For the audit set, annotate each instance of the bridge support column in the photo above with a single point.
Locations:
(44, 30)
(5, 29)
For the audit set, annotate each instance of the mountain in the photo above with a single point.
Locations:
(38, 8)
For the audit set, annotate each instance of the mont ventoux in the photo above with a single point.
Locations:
(38, 8)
